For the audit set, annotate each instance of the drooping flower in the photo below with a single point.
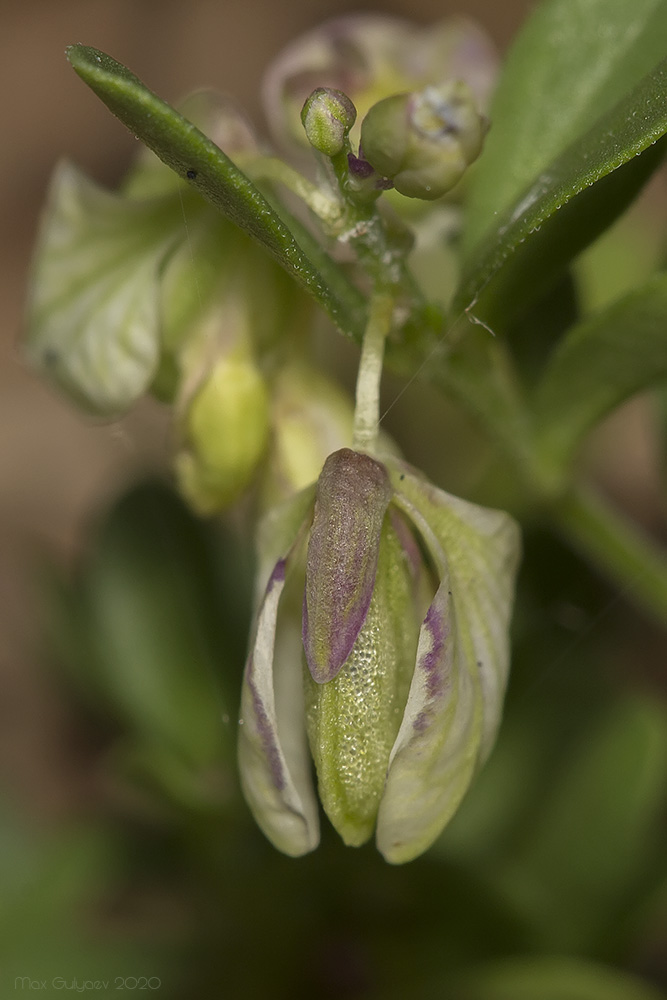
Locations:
(395, 679)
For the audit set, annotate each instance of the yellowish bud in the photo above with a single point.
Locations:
(226, 431)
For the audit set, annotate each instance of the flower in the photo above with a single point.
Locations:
(406, 604)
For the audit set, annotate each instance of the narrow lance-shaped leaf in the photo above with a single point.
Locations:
(569, 203)
(194, 157)
(572, 61)
(599, 364)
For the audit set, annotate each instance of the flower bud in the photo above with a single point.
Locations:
(226, 432)
(369, 57)
(327, 117)
(424, 141)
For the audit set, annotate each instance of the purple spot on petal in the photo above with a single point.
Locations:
(277, 576)
(432, 662)
(266, 734)
(421, 722)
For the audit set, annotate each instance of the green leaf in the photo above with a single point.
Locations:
(599, 364)
(595, 847)
(186, 150)
(93, 310)
(552, 979)
(569, 203)
(572, 61)
(147, 599)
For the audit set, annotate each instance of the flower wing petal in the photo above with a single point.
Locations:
(482, 548)
(436, 750)
(455, 700)
(274, 772)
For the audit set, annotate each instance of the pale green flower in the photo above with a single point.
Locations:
(406, 601)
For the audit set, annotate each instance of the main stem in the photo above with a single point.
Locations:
(617, 547)
(367, 408)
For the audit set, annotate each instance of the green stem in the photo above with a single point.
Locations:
(367, 408)
(269, 168)
(627, 556)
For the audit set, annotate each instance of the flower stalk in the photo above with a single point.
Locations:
(367, 408)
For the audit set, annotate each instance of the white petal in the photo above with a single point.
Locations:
(436, 751)
(482, 549)
(274, 771)
(455, 700)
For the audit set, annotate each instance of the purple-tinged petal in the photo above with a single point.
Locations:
(483, 549)
(274, 761)
(455, 700)
(353, 493)
(436, 750)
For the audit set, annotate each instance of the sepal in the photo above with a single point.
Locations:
(353, 493)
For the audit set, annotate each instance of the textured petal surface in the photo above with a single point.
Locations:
(352, 496)
(353, 720)
(455, 701)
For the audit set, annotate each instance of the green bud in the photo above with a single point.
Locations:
(424, 141)
(369, 57)
(226, 431)
(327, 116)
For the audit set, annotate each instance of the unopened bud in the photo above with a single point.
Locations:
(327, 116)
(424, 141)
(226, 430)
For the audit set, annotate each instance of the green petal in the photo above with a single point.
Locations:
(353, 719)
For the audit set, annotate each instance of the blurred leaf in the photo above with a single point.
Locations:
(624, 257)
(598, 365)
(552, 979)
(93, 309)
(51, 915)
(572, 61)
(596, 845)
(163, 773)
(573, 199)
(145, 594)
(187, 151)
